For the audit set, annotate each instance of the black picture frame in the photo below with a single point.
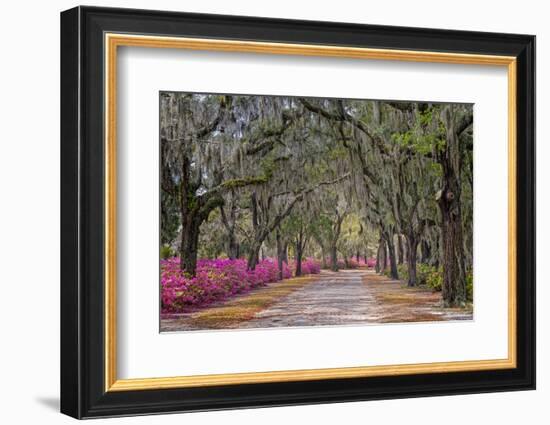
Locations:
(83, 392)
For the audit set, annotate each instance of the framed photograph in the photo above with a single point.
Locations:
(261, 212)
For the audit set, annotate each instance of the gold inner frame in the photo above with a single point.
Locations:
(113, 41)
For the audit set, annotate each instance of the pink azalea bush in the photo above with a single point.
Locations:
(371, 263)
(341, 263)
(352, 263)
(309, 266)
(217, 280)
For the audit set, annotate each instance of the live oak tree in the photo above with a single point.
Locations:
(444, 134)
(298, 226)
(201, 142)
(412, 179)
(456, 119)
(187, 121)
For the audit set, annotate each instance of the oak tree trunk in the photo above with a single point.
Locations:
(254, 255)
(454, 276)
(393, 262)
(190, 220)
(400, 250)
(298, 258)
(280, 257)
(324, 260)
(189, 244)
(232, 245)
(378, 265)
(333, 258)
(412, 245)
(425, 250)
(383, 257)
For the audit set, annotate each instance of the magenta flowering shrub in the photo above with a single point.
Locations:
(341, 263)
(216, 280)
(371, 263)
(309, 266)
(287, 271)
(352, 263)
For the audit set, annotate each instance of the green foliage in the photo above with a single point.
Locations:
(352, 239)
(402, 139)
(470, 286)
(337, 153)
(427, 275)
(402, 271)
(436, 169)
(427, 134)
(166, 252)
(321, 227)
(426, 117)
(434, 278)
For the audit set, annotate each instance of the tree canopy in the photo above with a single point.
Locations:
(250, 176)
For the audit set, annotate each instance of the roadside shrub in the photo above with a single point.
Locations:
(403, 271)
(424, 272)
(216, 280)
(425, 275)
(352, 263)
(434, 278)
(371, 263)
(287, 271)
(470, 285)
(311, 266)
(361, 262)
(166, 252)
(341, 264)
